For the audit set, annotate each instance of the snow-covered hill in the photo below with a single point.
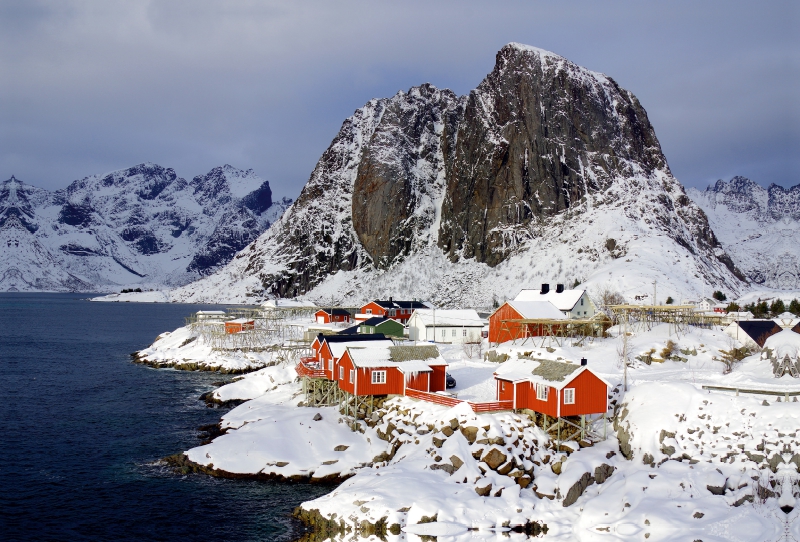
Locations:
(142, 226)
(547, 172)
(758, 227)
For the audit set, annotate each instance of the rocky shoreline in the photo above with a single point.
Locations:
(180, 365)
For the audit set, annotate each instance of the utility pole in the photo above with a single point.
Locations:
(655, 284)
(625, 351)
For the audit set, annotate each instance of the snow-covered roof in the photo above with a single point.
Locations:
(564, 301)
(241, 321)
(449, 318)
(537, 309)
(338, 348)
(406, 358)
(210, 313)
(556, 374)
(787, 342)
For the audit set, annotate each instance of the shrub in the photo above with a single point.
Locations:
(719, 296)
(794, 307)
(670, 301)
(669, 349)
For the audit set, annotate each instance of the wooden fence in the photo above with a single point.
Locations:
(444, 400)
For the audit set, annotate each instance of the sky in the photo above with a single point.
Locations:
(88, 87)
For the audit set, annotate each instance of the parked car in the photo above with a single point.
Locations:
(450, 382)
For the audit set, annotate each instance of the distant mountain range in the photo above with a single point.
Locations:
(142, 226)
(546, 172)
(759, 227)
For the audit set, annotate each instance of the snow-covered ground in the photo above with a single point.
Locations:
(184, 349)
(679, 463)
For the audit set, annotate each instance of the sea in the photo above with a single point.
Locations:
(83, 431)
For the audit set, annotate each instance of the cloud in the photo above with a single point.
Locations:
(89, 87)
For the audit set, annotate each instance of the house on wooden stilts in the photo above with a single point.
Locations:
(558, 395)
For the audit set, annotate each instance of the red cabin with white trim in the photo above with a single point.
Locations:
(327, 316)
(554, 388)
(372, 371)
(502, 330)
(239, 325)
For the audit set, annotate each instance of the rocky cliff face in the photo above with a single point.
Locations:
(480, 179)
(138, 226)
(758, 227)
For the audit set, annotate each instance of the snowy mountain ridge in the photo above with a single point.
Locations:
(546, 172)
(758, 227)
(141, 226)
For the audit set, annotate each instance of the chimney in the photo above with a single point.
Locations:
(559, 288)
(390, 299)
(584, 362)
(545, 289)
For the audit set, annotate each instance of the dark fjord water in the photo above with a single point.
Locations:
(82, 427)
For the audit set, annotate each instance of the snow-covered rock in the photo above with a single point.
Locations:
(758, 227)
(143, 226)
(546, 172)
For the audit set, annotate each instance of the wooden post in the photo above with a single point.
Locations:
(583, 426)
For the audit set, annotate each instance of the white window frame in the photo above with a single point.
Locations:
(341, 372)
(542, 392)
(464, 332)
(330, 365)
(379, 377)
(444, 333)
(368, 311)
(453, 334)
(352, 375)
(569, 396)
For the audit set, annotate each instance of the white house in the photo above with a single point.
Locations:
(572, 303)
(446, 326)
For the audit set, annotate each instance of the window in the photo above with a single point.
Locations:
(391, 312)
(503, 386)
(569, 396)
(379, 377)
(542, 392)
(369, 311)
(330, 365)
(352, 376)
(581, 302)
(463, 332)
(341, 372)
(453, 333)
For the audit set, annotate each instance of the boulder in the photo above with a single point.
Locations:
(577, 489)
(494, 458)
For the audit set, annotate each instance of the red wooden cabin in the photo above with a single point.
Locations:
(372, 371)
(396, 310)
(554, 388)
(329, 348)
(500, 331)
(326, 316)
(239, 325)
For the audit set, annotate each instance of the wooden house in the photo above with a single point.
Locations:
(572, 303)
(555, 388)
(446, 326)
(752, 333)
(378, 324)
(330, 315)
(503, 327)
(328, 348)
(390, 370)
(396, 310)
(239, 325)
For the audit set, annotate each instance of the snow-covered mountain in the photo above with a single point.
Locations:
(758, 227)
(142, 226)
(546, 172)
